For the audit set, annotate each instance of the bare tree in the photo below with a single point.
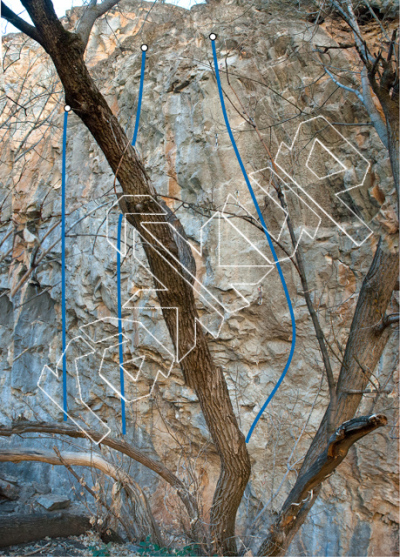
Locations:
(368, 336)
(378, 83)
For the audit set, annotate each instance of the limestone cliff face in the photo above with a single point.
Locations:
(268, 52)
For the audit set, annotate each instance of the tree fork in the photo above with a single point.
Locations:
(365, 343)
(306, 489)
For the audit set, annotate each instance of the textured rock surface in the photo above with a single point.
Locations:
(268, 53)
(53, 502)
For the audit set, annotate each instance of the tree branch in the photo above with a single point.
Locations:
(143, 514)
(368, 61)
(20, 23)
(339, 46)
(352, 22)
(377, 19)
(364, 345)
(388, 320)
(95, 495)
(19, 428)
(376, 118)
(345, 87)
(89, 17)
(307, 486)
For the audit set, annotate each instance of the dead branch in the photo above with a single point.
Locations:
(307, 486)
(387, 320)
(143, 515)
(95, 496)
(19, 428)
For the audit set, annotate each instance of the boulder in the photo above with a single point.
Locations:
(53, 502)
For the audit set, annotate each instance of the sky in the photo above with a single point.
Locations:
(62, 5)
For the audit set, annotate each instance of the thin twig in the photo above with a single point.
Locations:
(94, 495)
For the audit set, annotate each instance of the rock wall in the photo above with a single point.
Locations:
(268, 51)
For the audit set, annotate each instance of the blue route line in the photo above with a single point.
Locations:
(139, 106)
(121, 351)
(221, 97)
(63, 297)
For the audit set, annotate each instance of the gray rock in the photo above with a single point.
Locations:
(8, 490)
(53, 502)
(7, 507)
(41, 488)
(10, 479)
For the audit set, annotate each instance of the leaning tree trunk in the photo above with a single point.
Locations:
(66, 51)
(391, 111)
(367, 340)
(365, 344)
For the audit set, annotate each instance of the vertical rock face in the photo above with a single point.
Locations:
(268, 53)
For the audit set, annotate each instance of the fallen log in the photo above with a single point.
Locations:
(22, 528)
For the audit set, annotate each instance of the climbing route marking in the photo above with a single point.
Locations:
(67, 108)
(271, 246)
(144, 48)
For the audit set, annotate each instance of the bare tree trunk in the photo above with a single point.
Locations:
(66, 51)
(391, 111)
(366, 342)
(305, 491)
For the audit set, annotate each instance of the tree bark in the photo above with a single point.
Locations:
(17, 528)
(307, 487)
(88, 19)
(365, 343)
(66, 51)
(391, 111)
(364, 348)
